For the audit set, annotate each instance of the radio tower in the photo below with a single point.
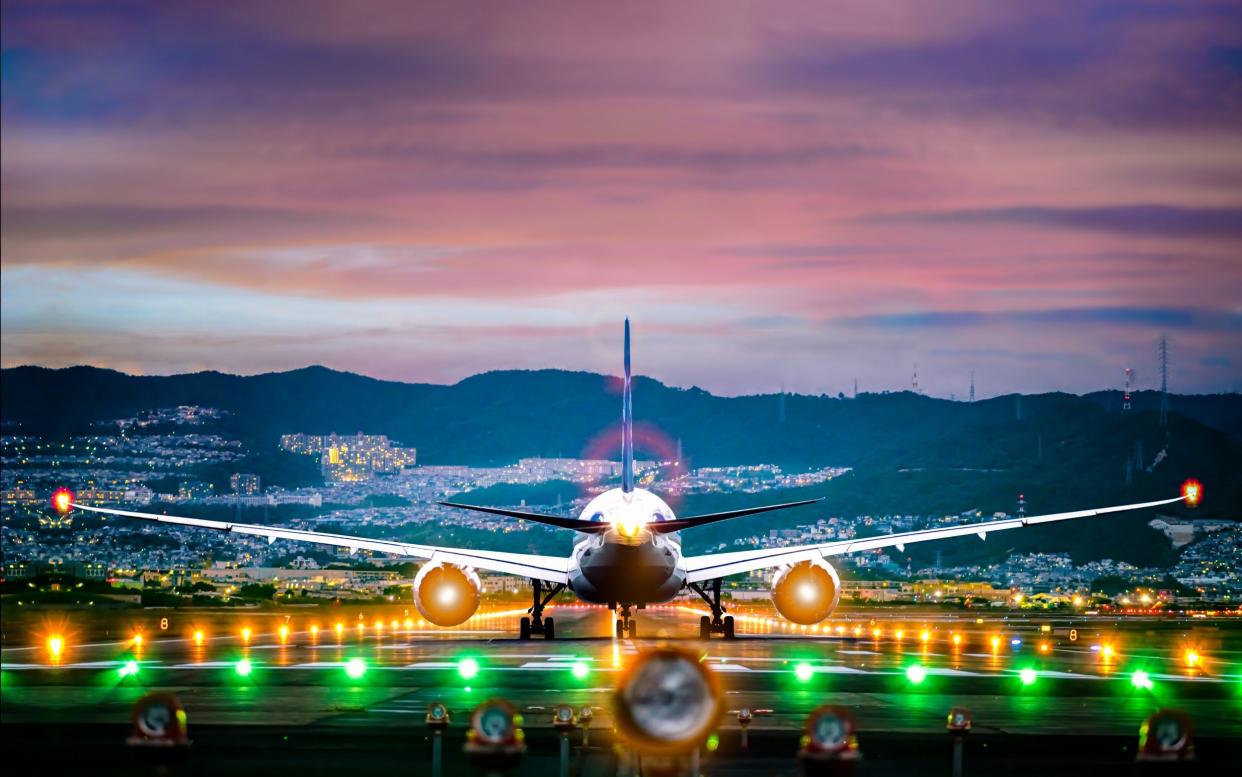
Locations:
(914, 381)
(1125, 398)
(1164, 381)
(972, 385)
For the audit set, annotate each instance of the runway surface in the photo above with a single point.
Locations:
(1081, 670)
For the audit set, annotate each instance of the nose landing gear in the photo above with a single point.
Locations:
(718, 622)
(626, 627)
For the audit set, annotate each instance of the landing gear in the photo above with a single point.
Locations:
(536, 623)
(626, 627)
(718, 623)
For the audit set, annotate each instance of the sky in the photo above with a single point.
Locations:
(779, 194)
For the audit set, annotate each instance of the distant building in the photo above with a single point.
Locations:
(348, 459)
(244, 484)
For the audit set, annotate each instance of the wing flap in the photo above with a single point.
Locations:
(549, 568)
(700, 568)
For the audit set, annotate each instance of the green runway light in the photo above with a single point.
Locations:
(1028, 676)
(1141, 679)
(916, 674)
(243, 667)
(804, 672)
(580, 669)
(468, 668)
(355, 668)
(128, 668)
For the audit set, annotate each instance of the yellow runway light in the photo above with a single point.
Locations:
(55, 646)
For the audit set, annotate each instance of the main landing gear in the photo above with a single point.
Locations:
(626, 627)
(536, 623)
(714, 624)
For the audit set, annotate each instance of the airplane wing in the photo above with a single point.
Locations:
(552, 569)
(712, 566)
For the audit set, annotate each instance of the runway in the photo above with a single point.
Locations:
(898, 671)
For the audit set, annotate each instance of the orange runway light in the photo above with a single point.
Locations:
(925, 636)
(1192, 658)
(314, 631)
(995, 641)
(1107, 651)
(957, 640)
(1192, 492)
(137, 640)
(409, 623)
(900, 634)
(55, 646)
(340, 629)
(245, 634)
(1044, 647)
(284, 633)
(198, 637)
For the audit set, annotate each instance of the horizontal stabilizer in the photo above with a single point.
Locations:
(550, 520)
(678, 524)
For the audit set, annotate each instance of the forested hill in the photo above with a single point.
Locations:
(910, 452)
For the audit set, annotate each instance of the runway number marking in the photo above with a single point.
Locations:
(163, 624)
(1073, 635)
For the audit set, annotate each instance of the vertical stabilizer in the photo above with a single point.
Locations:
(627, 423)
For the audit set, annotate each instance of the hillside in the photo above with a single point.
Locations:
(910, 453)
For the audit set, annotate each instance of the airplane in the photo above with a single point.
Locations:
(626, 554)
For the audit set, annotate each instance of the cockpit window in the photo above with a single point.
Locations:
(597, 517)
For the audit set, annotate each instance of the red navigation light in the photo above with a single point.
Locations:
(62, 500)
(1192, 492)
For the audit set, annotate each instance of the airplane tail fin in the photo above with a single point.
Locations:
(627, 423)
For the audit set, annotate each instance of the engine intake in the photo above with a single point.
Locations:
(806, 592)
(446, 594)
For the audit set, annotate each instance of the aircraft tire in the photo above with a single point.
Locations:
(705, 627)
(524, 629)
(728, 627)
(549, 628)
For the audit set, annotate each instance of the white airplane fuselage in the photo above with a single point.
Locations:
(628, 563)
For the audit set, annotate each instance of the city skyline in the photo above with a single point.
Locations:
(796, 195)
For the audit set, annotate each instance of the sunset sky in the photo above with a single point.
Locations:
(793, 194)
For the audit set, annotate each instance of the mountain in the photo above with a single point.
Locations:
(910, 453)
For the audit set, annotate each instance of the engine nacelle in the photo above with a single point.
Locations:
(446, 594)
(806, 592)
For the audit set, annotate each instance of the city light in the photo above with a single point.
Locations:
(243, 667)
(580, 669)
(1027, 676)
(804, 672)
(355, 668)
(916, 674)
(1140, 679)
(55, 646)
(128, 668)
(1077, 601)
(468, 668)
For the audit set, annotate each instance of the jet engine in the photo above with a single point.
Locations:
(446, 594)
(806, 592)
